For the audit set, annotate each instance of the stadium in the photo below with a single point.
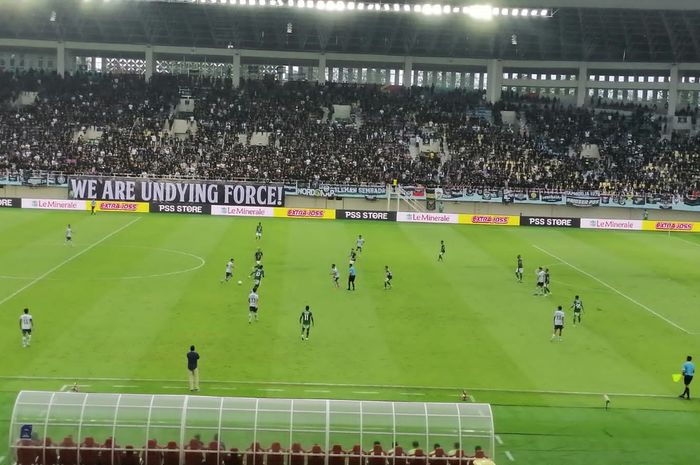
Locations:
(334, 232)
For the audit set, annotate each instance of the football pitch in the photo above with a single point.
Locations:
(118, 310)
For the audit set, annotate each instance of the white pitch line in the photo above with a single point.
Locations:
(64, 387)
(339, 385)
(124, 386)
(271, 389)
(499, 440)
(412, 393)
(510, 456)
(321, 391)
(67, 260)
(620, 293)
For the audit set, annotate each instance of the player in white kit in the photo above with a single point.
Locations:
(26, 323)
(360, 243)
(229, 271)
(252, 306)
(336, 276)
(558, 323)
(69, 236)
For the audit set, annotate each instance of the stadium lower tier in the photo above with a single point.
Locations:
(89, 452)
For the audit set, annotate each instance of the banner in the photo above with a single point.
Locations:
(675, 226)
(495, 220)
(593, 223)
(225, 210)
(365, 215)
(54, 204)
(550, 221)
(166, 191)
(583, 200)
(336, 190)
(413, 217)
(10, 202)
(126, 207)
(312, 213)
(189, 208)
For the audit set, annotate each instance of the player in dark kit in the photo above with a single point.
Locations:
(545, 289)
(307, 321)
(519, 270)
(258, 231)
(441, 256)
(258, 256)
(353, 256)
(258, 274)
(577, 305)
(388, 278)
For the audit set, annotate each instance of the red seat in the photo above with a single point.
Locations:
(130, 457)
(48, 455)
(398, 457)
(254, 455)
(336, 455)
(214, 455)
(418, 458)
(275, 456)
(171, 454)
(355, 455)
(193, 452)
(439, 457)
(297, 454)
(233, 457)
(68, 452)
(152, 454)
(89, 452)
(27, 452)
(316, 456)
(376, 456)
(109, 455)
(458, 458)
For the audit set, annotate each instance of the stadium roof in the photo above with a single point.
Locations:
(613, 30)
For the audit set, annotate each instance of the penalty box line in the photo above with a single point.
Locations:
(615, 290)
(214, 382)
(66, 261)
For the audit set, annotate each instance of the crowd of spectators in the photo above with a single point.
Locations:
(549, 144)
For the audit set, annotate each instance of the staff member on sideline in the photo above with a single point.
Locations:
(192, 370)
(688, 372)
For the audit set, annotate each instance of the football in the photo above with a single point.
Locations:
(240, 282)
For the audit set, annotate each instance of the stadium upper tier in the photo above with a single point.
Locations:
(123, 429)
(267, 131)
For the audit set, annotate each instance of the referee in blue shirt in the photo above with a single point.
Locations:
(688, 372)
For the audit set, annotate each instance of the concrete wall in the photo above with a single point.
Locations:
(34, 192)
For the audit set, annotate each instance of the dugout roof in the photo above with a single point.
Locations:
(578, 30)
(133, 419)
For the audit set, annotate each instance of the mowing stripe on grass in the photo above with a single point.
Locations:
(499, 440)
(620, 293)
(339, 385)
(510, 456)
(67, 260)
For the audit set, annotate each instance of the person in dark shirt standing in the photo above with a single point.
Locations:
(192, 369)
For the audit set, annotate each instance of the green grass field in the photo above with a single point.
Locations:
(118, 311)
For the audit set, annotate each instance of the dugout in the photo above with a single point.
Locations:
(75, 428)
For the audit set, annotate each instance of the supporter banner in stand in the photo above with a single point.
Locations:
(227, 210)
(170, 191)
(189, 208)
(550, 221)
(337, 190)
(594, 223)
(54, 204)
(494, 220)
(124, 207)
(365, 215)
(311, 213)
(10, 203)
(583, 200)
(414, 217)
(675, 226)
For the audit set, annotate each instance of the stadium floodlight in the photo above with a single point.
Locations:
(504, 11)
(525, 12)
(321, 5)
(544, 13)
(397, 7)
(495, 12)
(290, 2)
(515, 12)
(406, 7)
(340, 5)
(370, 6)
(417, 8)
(387, 7)
(534, 12)
(481, 12)
(360, 6)
(301, 4)
(455, 9)
(351, 5)
(446, 9)
(330, 5)
(262, 2)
